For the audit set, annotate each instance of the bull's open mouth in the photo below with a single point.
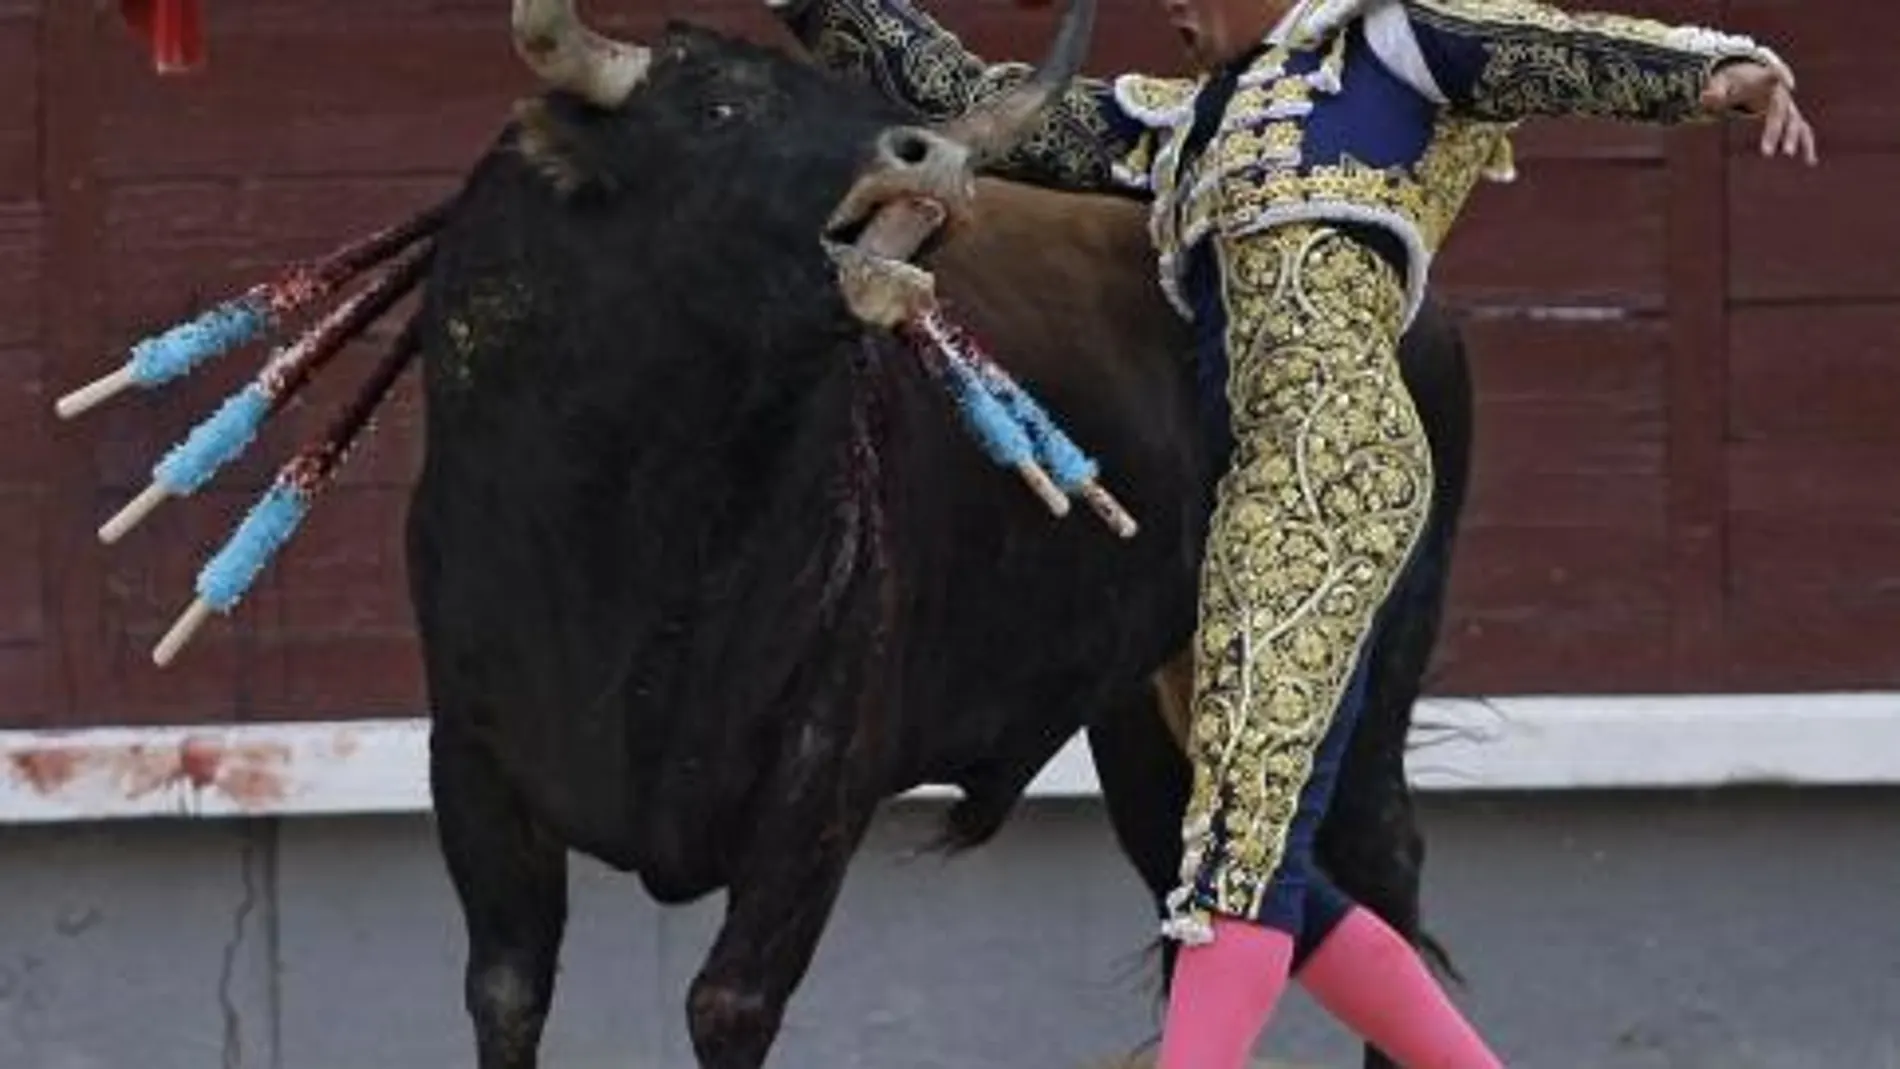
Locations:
(851, 229)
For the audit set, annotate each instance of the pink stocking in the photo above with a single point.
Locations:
(1371, 979)
(1223, 994)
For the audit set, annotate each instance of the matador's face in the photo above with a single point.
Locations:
(1185, 17)
(1215, 31)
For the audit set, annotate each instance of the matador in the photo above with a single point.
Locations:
(1300, 185)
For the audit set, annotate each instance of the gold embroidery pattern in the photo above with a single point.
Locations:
(1254, 175)
(1328, 491)
(1186, 194)
(1545, 61)
(1430, 197)
(908, 57)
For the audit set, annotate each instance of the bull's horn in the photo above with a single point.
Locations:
(568, 55)
(993, 127)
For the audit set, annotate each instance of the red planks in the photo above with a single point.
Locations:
(1588, 139)
(1815, 579)
(1697, 389)
(1813, 528)
(347, 575)
(362, 96)
(1582, 361)
(1842, 57)
(1570, 424)
(1815, 555)
(27, 452)
(1605, 247)
(343, 676)
(22, 612)
(1801, 565)
(1815, 373)
(19, 107)
(24, 697)
(21, 238)
(1817, 481)
(22, 672)
(1782, 648)
(339, 635)
(1615, 574)
(171, 245)
(1814, 234)
(67, 285)
(1556, 610)
(1561, 579)
(136, 588)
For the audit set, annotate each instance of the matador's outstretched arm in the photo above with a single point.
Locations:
(1505, 60)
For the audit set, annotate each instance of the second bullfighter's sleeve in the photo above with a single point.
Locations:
(1506, 60)
(909, 58)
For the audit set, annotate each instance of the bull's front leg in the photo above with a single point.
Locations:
(511, 881)
(778, 904)
(809, 813)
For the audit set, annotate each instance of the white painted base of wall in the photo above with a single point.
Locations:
(1518, 743)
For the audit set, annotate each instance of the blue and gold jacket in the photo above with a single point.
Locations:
(1379, 113)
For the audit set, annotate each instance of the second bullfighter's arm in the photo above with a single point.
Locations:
(909, 58)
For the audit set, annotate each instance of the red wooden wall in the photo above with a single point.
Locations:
(1687, 470)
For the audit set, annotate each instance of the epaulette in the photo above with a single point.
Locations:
(1157, 103)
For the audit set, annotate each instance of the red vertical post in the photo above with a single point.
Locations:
(172, 29)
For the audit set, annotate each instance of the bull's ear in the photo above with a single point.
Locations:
(551, 144)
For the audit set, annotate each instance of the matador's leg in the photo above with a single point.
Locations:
(1323, 501)
(1326, 494)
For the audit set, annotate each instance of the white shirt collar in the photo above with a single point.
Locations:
(1315, 19)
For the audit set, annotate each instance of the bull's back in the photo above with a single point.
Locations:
(1062, 289)
(1053, 276)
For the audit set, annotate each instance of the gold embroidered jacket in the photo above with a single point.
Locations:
(1379, 112)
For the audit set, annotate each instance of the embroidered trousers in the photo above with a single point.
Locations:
(1324, 498)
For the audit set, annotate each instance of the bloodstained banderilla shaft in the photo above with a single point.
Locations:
(238, 321)
(275, 517)
(220, 437)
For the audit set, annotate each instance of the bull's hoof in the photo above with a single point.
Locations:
(970, 823)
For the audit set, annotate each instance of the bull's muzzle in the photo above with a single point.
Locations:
(920, 179)
(908, 164)
(917, 182)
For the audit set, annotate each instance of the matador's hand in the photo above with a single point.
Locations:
(1754, 89)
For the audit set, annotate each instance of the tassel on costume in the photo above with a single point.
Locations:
(1501, 165)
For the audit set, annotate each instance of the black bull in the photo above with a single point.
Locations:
(704, 570)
